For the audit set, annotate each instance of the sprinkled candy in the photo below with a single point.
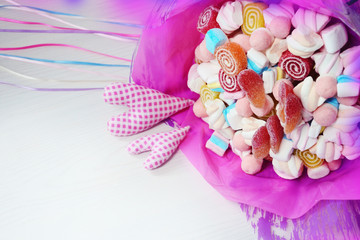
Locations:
(231, 58)
(228, 83)
(207, 19)
(296, 67)
(253, 86)
(261, 143)
(206, 94)
(253, 17)
(310, 160)
(276, 132)
(292, 112)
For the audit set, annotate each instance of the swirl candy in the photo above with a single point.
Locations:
(206, 94)
(310, 160)
(230, 16)
(296, 67)
(228, 83)
(253, 17)
(207, 19)
(231, 58)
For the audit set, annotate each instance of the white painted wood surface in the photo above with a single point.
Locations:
(62, 176)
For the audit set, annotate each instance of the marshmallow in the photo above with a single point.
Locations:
(348, 101)
(329, 151)
(334, 165)
(348, 118)
(233, 95)
(202, 53)
(280, 27)
(215, 108)
(351, 61)
(227, 133)
(243, 40)
(328, 63)
(306, 91)
(335, 37)
(315, 129)
(306, 115)
(230, 16)
(217, 143)
(285, 151)
(249, 164)
(348, 86)
(209, 71)
(276, 87)
(243, 107)
(327, 113)
(238, 142)
(199, 109)
(352, 152)
(303, 42)
(233, 119)
(214, 38)
(215, 87)
(250, 126)
(269, 77)
(315, 21)
(318, 172)
(275, 51)
(291, 169)
(301, 139)
(257, 61)
(283, 9)
(261, 39)
(266, 109)
(326, 86)
(225, 98)
(194, 81)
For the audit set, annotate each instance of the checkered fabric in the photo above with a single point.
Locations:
(147, 107)
(162, 146)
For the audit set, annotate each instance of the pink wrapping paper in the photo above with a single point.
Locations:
(162, 61)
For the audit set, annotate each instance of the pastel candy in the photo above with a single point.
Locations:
(238, 142)
(202, 53)
(351, 61)
(352, 152)
(329, 151)
(280, 27)
(315, 129)
(162, 146)
(310, 160)
(230, 16)
(209, 71)
(285, 151)
(227, 98)
(261, 39)
(315, 21)
(257, 61)
(348, 101)
(335, 37)
(348, 118)
(291, 169)
(233, 95)
(207, 19)
(283, 9)
(328, 63)
(335, 135)
(318, 172)
(199, 109)
(194, 82)
(266, 109)
(218, 144)
(243, 107)
(214, 38)
(243, 40)
(276, 50)
(233, 119)
(269, 77)
(206, 94)
(326, 86)
(214, 109)
(334, 165)
(253, 17)
(347, 86)
(306, 91)
(250, 126)
(250, 164)
(301, 139)
(303, 42)
(215, 87)
(327, 113)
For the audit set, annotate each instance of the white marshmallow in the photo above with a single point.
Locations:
(230, 16)
(285, 151)
(275, 51)
(269, 77)
(328, 63)
(288, 170)
(335, 37)
(194, 82)
(233, 118)
(348, 86)
(318, 172)
(314, 129)
(209, 71)
(258, 58)
(307, 93)
(315, 21)
(214, 109)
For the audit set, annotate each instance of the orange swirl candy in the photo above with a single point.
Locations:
(207, 94)
(231, 58)
(253, 17)
(310, 160)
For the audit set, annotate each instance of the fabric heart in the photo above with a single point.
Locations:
(162, 146)
(147, 107)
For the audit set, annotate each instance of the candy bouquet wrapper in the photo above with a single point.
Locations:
(163, 58)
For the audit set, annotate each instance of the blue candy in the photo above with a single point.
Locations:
(214, 38)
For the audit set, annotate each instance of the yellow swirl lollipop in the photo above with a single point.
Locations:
(207, 94)
(310, 160)
(253, 17)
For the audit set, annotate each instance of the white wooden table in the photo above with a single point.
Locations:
(62, 175)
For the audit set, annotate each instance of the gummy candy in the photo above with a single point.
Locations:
(296, 67)
(261, 143)
(253, 17)
(228, 83)
(292, 111)
(231, 58)
(310, 160)
(207, 19)
(253, 85)
(275, 131)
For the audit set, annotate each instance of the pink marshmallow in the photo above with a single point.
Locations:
(260, 112)
(325, 115)
(199, 109)
(242, 107)
(348, 101)
(326, 86)
(276, 87)
(202, 53)
(238, 142)
(334, 165)
(243, 40)
(318, 172)
(250, 164)
(280, 27)
(261, 39)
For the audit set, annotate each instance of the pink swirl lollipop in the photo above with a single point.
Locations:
(296, 67)
(228, 83)
(207, 19)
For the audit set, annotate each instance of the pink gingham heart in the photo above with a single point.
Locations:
(147, 107)
(162, 146)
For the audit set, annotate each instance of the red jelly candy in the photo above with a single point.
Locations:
(284, 90)
(275, 131)
(231, 57)
(253, 85)
(296, 67)
(228, 83)
(207, 19)
(292, 111)
(261, 143)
